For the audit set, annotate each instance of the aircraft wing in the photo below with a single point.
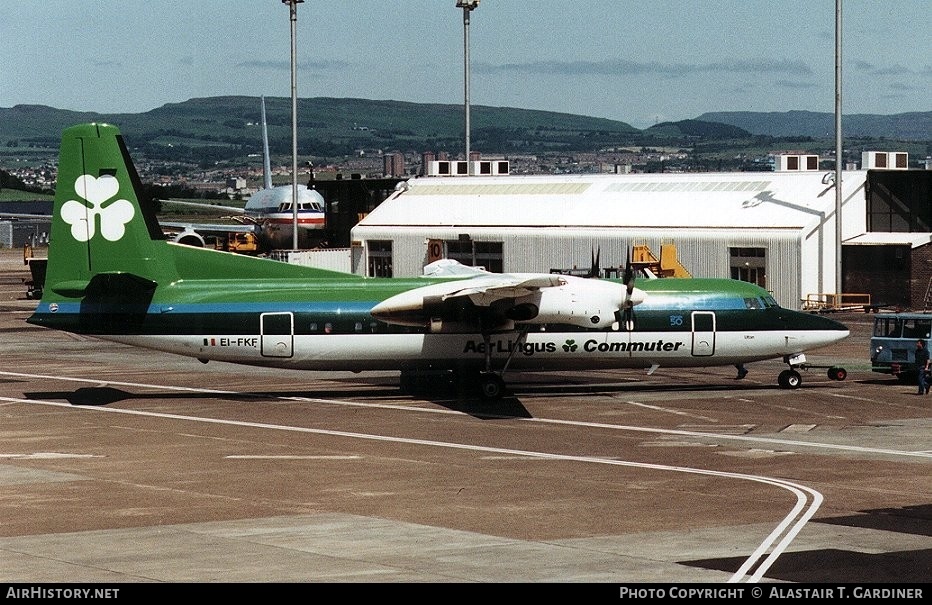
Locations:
(205, 228)
(487, 300)
(205, 206)
(502, 286)
(24, 216)
(497, 301)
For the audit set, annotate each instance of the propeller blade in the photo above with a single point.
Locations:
(628, 306)
(629, 275)
(629, 318)
(595, 270)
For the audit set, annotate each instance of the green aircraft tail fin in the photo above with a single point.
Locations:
(99, 224)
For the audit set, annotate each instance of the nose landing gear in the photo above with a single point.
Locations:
(791, 378)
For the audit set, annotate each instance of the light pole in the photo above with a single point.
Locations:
(468, 6)
(838, 153)
(293, 5)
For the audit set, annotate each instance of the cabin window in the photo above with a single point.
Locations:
(380, 258)
(887, 326)
(750, 265)
(476, 254)
(917, 328)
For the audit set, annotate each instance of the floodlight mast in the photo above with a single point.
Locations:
(468, 6)
(293, 6)
(839, 153)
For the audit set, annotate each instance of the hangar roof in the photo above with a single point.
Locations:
(913, 240)
(750, 200)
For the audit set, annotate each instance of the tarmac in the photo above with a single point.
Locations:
(120, 465)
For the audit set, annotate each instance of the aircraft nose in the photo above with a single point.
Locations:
(833, 326)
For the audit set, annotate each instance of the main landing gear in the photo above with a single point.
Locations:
(468, 382)
(491, 385)
(487, 383)
(791, 378)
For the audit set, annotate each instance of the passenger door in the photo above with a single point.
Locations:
(276, 331)
(703, 325)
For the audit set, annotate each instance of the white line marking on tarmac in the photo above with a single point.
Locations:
(791, 524)
(432, 410)
(669, 411)
(789, 527)
(290, 457)
(47, 456)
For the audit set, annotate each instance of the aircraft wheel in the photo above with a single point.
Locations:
(412, 382)
(491, 386)
(789, 379)
(407, 382)
(837, 373)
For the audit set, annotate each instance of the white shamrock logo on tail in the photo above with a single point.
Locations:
(83, 218)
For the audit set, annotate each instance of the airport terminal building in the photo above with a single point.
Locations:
(776, 228)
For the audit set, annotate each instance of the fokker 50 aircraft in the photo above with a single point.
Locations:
(112, 275)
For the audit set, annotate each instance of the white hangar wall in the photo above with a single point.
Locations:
(705, 253)
(547, 222)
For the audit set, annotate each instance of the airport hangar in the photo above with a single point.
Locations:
(775, 228)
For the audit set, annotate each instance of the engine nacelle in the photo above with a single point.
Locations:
(523, 312)
(586, 303)
(189, 237)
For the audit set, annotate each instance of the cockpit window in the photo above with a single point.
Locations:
(770, 302)
(315, 206)
(752, 303)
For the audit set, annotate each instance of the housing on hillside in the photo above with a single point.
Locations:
(776, 229)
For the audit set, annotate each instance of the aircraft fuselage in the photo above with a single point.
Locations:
(265, 326)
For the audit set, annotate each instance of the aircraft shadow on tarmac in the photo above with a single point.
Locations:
(507, 407)
(100, 396)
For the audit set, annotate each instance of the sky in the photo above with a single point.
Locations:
(639, 62)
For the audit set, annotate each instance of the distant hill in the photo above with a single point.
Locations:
(698, 128)
(326, 127)
(207, 131)
(915, 126)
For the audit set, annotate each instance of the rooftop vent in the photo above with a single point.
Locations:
(796, 163)
(884, 160)
(461, 168)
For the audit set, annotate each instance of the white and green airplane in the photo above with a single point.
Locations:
(112, 275)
